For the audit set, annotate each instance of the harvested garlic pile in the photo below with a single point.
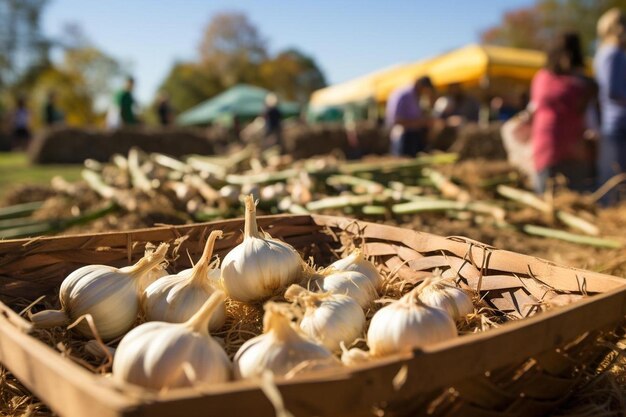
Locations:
(280, 349)
(161, 355)
(175, 298)
(329, 319)
(259, 266)
(110, 295)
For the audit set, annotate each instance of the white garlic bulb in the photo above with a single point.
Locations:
(110, 295)
(259, 266)
(329, 319)
(441, 293)
(354, 356)
(406, 324)
(357, 262)
(175, 298)
(351, 283)
(160, 355)
(280, 349)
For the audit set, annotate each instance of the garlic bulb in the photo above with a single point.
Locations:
(354, 356)
(280, 349)
(110, 295)
(329, 319)
(406, 324)
(357, 262)
(260, 265)
(175, 298)
(351, 283)
(171, 355)
(443, 294)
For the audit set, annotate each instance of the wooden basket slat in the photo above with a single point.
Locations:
(541, 386)
(568, 279)
(483, 393)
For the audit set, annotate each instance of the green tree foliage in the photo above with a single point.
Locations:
(189, 83)
(22, 44)
(232, 51)
(535, 26)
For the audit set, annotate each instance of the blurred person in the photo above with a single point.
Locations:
(610, 70)
(457, 106)
(126, 103)
(164, 109)
(273, 121)
(21, 125)
(409, 124)
(51, 113)
(559, 96)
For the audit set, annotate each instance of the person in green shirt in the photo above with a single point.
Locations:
(126, 103)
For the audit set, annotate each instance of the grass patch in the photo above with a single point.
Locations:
(15, 170)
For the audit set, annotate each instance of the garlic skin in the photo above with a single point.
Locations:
(407, 324)
(110, 295)
(329, 319)
(280, 349)
(175, 298)
(159, 355)
(357, 262)
(351, 283)
(259, 266)
(441, 293)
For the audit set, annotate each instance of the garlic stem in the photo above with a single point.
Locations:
(199, 322)
(276, 321)
(148, 262)
(201, 268)
(250, 226)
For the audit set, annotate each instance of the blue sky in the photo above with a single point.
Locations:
(347, 38)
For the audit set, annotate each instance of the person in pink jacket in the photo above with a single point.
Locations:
(559, 97)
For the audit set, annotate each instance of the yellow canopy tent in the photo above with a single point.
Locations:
(357, 90)
(470, 65)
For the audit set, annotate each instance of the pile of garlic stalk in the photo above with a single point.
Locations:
(323, 313)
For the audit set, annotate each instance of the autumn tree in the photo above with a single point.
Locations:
(535, 26)
(293, 75)
(82, 79)
(232, 48)
(232, 51)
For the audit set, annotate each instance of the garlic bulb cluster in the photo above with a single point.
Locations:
(160, 355)
(110, 295)
(175, 298)
(280, 349)
(351, 283)
(329, 319)
(441, 293)
(357, 262)
(406, 324)
(259, 266)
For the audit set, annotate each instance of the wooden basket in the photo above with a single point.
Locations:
(524, 367)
